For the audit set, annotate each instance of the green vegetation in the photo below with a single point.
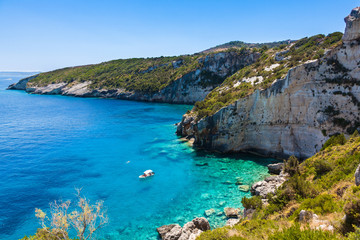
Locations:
(323, 184)
(145, 75)
(252, 203)
(296, 233)
(264, 72)
(241, 44)
(138, 74)
(334, 141)
(291, 166)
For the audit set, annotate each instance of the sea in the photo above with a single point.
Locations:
(50, 145)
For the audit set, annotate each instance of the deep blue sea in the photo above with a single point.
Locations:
(51, 144)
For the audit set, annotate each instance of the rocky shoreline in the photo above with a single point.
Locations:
(194, 228)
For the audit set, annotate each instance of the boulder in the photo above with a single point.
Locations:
(325, 227)
(305, 216)
(174, 233)
(232, 221)
(357, 176)
(201, 223)
(190, 231)
(248, 213)
(352, 29)
(163, 230)
(231, 212)
(193, 229)
(275, 168)
(269, 185)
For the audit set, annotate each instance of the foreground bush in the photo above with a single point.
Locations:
(83, 218)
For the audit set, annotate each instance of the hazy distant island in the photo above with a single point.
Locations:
(298, 100)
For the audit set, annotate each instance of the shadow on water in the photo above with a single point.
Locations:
(200, 155)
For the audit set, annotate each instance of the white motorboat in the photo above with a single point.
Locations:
(147, 173)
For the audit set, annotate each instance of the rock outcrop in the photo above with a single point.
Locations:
(352, 30)
(357, 176)
(21, 85)
(275, 168)
(191, 87)
(190, 231)
(297, 114)
(269, 185)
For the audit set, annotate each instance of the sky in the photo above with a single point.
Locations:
(46, 35)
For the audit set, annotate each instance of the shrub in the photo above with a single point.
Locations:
(354, 235)
(297, 187)
(296, 233)
(322, 167)
(291, 166)
(252, 203)
(334, 140)
(352, 211)
(321, 204)
(85, 219)
(47, 234)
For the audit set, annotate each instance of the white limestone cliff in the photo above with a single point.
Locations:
(296, 115)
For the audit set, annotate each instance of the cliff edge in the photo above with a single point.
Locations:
(296, 114)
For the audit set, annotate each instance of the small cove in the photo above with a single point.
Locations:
(51, 144)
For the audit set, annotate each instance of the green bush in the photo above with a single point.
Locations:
(334, 140)
(252, 203)
(352, 211)
(296, 233)
(42, 234)
(291, 166)
(322, 167)
(354, 235)
(321, 204)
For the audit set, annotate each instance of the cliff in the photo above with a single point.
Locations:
(184, 79)
(294, 115)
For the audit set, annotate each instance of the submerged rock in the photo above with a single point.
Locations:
(244, 188)
(209, 212)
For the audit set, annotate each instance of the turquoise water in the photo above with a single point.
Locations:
(51, 144)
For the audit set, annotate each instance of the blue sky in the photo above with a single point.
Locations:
(45, 35)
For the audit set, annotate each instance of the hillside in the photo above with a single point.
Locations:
(182, 79)
(316, 196)
(287, 103)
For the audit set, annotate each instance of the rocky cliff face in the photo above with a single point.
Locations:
(191, 87)
(295, 115)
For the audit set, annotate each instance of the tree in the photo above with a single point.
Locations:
(291, 166)
(84, 218)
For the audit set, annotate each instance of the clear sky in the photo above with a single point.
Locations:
(45, 35)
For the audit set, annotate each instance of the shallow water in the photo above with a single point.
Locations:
(51, 144)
